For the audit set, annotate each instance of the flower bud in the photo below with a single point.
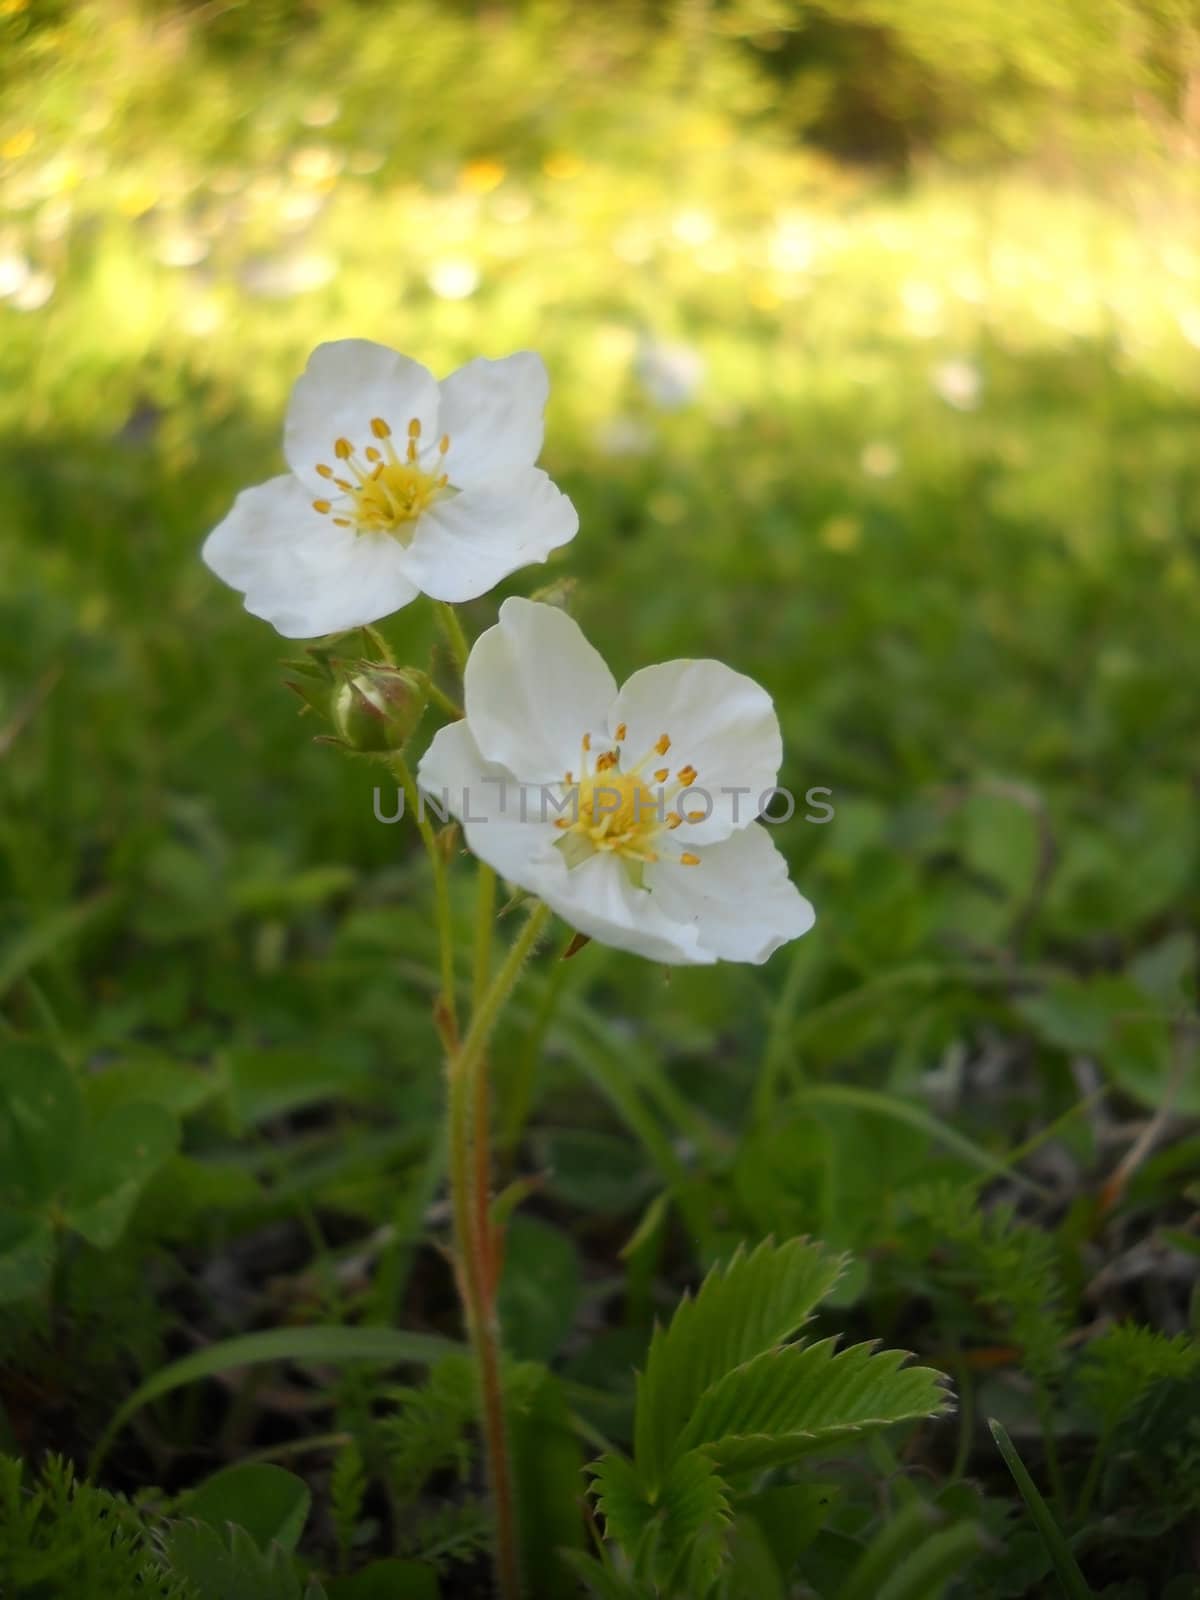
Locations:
(376, 710)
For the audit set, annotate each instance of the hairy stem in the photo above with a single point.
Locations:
(469, 1175)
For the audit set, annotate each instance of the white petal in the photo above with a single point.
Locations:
(595, 898)
(467, 542)
(598, 899)
(492, 411)
(534, 686)
(738, 899)
(300, 572)
(344, 386)
(719, 722)
(486, 799)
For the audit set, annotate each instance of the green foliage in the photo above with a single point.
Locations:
(1122, 1366)
(930, 476)
(62, 1167)
(427, 1432)
(61, 1537)
(743, 1310)
(723, 1396)
(347, 1488)
(990, 1259)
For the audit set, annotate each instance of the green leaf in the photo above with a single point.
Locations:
(386, 1346)
(786, 1403)
(1069, 1576)
(604, 1582)
(229, 1565)
(150, 1080)
(790, 1516)
(548, 1467)
(120, 1157)
(676, 1533)
(539, 1290)
(26, 1255)
(741, 1310)
(271, 1504)
(262, 1084)
(41, 1122)
(924, 1573)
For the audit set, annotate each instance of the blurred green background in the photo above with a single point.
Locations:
(874, 336)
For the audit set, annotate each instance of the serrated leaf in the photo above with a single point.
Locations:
(741, 1310)
(789, 1402)
(675, 1533)
(232, 1567)
(122, 1154)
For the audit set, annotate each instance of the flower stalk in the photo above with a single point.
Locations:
(475, 1240)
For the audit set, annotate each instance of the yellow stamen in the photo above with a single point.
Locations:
(325, 472)
(381, 430)
(696, 816)
(372, 454)
(687, 859)
(662, 745)
(673, 819)
(662, 775)
(323, 506)
(343, 449)
(443, 444)
(686, 776)
(587, 741)
(414, 428)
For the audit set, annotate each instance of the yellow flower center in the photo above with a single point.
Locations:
(619, 812)
(382, 492)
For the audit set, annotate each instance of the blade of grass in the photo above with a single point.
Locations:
(387, 1346)
(886, 1105)
(1069, 1576)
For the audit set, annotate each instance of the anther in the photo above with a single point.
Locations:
(443, 444)
(414, 428)
(322, 506)
(686, 775)
(687, 859)
(662, 774)
(621, 732)
(696, 816)
(343, 449)
(325, 472)
(372, 454)
(587, 741)
(673, 819)
(663, 745)
(380, 428)
(342, 522)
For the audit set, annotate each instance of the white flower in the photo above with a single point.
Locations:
(399, 485)
(616, 807)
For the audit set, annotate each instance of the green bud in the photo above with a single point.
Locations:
(377, 709)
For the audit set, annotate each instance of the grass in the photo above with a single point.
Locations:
(921, 459)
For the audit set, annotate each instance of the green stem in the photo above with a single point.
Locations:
(469, 1167)
(443, 701)
(485, 911)
(441, 894)
(455, 637)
